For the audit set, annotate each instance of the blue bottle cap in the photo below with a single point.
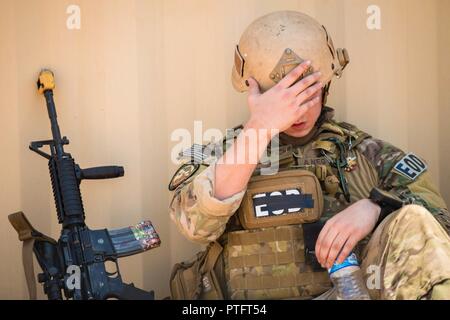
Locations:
(350, 261)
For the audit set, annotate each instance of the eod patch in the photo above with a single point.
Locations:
(287, 198)
(410, 166)
(281, 202)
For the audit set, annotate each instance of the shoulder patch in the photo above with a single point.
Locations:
(182, 174)
(195, 153)
(410, 166)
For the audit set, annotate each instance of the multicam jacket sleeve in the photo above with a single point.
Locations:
(199, 216)
(406, 176)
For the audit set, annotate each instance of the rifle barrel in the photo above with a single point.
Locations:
(54, 122)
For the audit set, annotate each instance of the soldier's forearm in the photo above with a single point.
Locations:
(235, 168)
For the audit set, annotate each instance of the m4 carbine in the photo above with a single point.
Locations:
(76, 263)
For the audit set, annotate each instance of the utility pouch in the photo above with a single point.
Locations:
(311, 232)
(288, 198)
(201, 278)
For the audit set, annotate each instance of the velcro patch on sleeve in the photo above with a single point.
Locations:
(195, 153)
(182, 174)
(410, 166)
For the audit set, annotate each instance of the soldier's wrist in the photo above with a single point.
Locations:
(260, 129)
(375, 208)
(386, 201)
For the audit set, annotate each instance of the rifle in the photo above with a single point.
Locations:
(76, 263)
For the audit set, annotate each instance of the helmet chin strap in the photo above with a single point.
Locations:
(326, 91)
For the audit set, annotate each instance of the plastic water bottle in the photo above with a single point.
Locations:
(348, 280)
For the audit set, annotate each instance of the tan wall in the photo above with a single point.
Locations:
(139, 69)
(444, 96)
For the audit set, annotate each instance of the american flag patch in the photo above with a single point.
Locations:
(195, 153)
(201, 154)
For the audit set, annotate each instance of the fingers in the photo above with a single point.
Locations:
(306, 82)
(302, 109)
(324, 245)
(253, 87)
(294, 75)
(323, 233)
(336, 248)
(308, 93)
(348, 248)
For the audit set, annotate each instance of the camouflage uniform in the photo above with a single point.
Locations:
(410, 247)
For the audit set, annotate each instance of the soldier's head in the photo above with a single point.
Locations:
(276, 43)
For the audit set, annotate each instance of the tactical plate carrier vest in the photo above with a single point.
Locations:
(267, 249)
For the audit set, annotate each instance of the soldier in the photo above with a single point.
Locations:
(337, 190)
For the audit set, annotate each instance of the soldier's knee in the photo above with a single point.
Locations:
(415, 212)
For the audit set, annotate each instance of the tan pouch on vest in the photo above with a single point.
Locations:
(200, 278)
(287, 198)
(267, 264)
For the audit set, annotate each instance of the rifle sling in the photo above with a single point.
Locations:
(28, 235)
(28, 267)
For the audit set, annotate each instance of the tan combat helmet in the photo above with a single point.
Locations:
(275, 44)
